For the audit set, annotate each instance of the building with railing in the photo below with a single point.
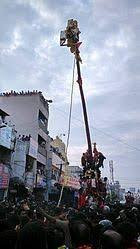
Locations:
(7, 146)
(29, 111)
(24, 161)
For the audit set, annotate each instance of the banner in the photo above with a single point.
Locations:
(33, 148)
(4, 176)
(71, 182)
(6, 136)
(19, 162)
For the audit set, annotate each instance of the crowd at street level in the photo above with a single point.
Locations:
(40, 225)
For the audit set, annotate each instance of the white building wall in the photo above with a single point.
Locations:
(23, 111)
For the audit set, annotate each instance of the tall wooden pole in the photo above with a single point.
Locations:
(84, 107)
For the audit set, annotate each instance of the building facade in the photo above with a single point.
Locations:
(59, 159)
(29, 111)
(75, 171)
(7, 147)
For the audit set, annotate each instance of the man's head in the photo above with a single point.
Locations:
(80, 232)
(55, 236)
(111, 240)
(106, 225)
(128, 231)
(33, 235)
(8, 239)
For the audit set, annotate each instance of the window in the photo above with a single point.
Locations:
(43, 122)
(42, 146)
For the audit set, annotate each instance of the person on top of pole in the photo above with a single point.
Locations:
(71, 34)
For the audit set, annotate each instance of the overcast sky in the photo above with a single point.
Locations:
(30, 58)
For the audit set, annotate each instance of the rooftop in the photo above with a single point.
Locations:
(26, 93)
(22, 93)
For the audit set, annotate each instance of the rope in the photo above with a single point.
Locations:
(69, 130)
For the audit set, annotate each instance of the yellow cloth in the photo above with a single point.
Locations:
(62, 247)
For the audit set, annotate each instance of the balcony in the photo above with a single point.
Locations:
(42, 126)
(32, 148)
(42, 150)
(6, 137)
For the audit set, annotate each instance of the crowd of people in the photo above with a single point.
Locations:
(24, 138)
(43, 225)
(14, 93)
(24, 93)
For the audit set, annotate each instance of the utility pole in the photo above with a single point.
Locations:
(111, 168)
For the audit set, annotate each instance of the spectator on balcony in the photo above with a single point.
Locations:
(43, 144)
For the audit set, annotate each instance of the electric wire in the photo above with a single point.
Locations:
(91, 126)
(104, 133)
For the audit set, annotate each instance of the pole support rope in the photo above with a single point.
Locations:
(68, 134)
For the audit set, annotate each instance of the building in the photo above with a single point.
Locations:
(59, 159)
(132, 190)
(117, 187)
(24, 160)
(29, 111)
(122, 194)
(61, 167)
(63, 173)
(75, 171)
(7, 146)
(113, 190)
(17, 158)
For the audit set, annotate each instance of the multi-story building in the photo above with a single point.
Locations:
(132, 190)
(61, 167)
(59, 159)
(114, 189)
(29, 111)
(62, 172)
(122, 194)
(7, 146)
(24, 160)
(75, 171)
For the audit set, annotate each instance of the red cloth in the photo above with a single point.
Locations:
(82, 200)
(85, 247)
(134, 245)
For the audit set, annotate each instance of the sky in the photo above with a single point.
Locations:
(31, 58)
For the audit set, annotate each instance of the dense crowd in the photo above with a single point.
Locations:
(14, 93)
(40, 225)
(26, 93)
